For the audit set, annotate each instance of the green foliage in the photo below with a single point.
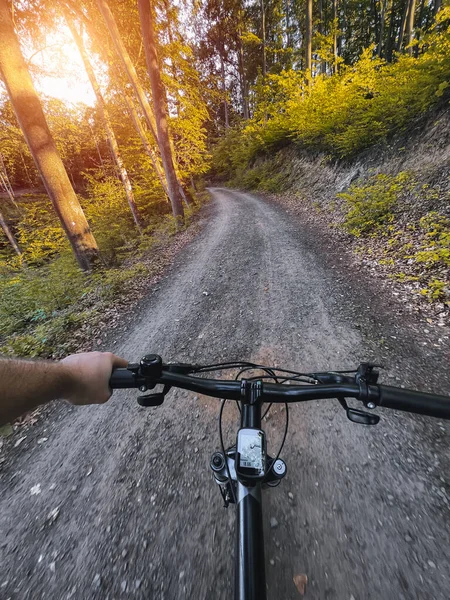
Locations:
(38, 230)
(45, 337)
(436, 290)
(344, 113)
(115, 282)
(30, 296)
(264, 176)
(115, 234)
(370, 206)
(436, 245)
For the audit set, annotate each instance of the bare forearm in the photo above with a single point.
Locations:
(79, 378)
(24, 385)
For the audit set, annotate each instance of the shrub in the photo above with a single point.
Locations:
(436, 246)
(33, 295)
(45, 338)
(370, 206)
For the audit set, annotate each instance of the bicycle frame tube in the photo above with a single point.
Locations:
(250, 580)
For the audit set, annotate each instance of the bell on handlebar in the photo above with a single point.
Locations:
(151, 365)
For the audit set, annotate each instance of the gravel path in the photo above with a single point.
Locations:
(119, 501)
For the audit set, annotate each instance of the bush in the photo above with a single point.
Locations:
(115, 235)
(115, 282)
(46, 337)
(370, 206)
(31, 295)
(436, 245)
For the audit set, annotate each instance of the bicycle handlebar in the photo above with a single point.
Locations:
(372, 395)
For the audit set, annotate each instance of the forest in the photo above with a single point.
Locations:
(114, 115)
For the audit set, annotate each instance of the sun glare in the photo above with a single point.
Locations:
(60, 72)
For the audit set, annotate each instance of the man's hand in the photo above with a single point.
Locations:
(88, 376)
(79, 378)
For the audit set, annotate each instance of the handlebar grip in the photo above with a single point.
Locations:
(122, 379)
(416, 402)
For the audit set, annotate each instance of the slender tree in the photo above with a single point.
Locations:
(263, 38)
(401, 34)
(9, 234)
(143, 135)
(140, 94)
(409, 32)
(335, 28)
(107, 124)
(30, 116)
(308, 36)
(381, 32)
(159, 102)
(224, 91)
(241, 67)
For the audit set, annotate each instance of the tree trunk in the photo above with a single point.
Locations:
(142, 134)
(9, 234)
(437, 6)
(108, 127)
(139, 91)
(409, 34)
(32, 121)
(308, 37)
(263, 37)
(25, 168)
(381, 33)
(335, 27)
(224, 90)
(288, 24)
(321, 29)
(420, 25)
(244, 83)
(375, 20)
(128, 65)
(5, 180)
(159, 101)
(173, 67)
(401, 34)
(390, 42)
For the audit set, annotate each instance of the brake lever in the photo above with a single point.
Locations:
(154, 399)
(359, 416)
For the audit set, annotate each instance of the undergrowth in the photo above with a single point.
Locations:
(45, 297)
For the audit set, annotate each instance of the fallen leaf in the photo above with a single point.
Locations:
(36, 489)
(42, 440)
(89, 471)
(19, 441)
(300, 583)
(53, 515)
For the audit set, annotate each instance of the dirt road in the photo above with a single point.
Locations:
(118, 501)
